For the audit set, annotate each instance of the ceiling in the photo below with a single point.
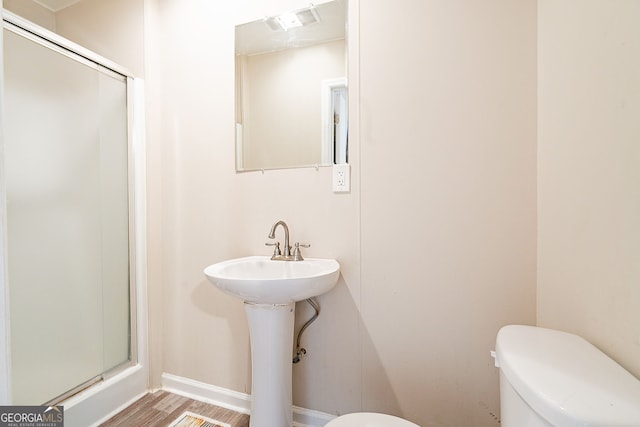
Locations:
(257, 36)
(56, 5)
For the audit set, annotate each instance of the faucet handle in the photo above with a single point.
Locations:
(276, 249)
(297, 256)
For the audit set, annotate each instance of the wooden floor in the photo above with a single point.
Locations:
(161, 408)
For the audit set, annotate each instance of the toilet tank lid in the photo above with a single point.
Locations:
(567, 380)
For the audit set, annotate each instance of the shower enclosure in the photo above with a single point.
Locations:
(70, 233)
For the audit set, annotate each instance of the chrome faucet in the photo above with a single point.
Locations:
(285, 253)
(272, 235)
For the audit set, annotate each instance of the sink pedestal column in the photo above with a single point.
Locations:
(271, 331)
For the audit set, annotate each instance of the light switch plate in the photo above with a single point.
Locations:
(341, 178)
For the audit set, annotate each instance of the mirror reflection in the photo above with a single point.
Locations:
(291, 89)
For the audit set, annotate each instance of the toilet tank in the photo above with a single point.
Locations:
(553, 378)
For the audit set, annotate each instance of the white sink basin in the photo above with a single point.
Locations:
(258, 279)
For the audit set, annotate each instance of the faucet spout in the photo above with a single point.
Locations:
(286, 250)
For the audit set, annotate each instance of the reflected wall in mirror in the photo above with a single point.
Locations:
(291, 89)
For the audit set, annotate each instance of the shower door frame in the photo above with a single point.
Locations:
(116, 388)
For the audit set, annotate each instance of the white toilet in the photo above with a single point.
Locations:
(551, 378)
(369, 419)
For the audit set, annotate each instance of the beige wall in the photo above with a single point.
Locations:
(447, 140)
(589, 174)
(437, 239)
(33, 12)
(210, 213)
(114, 29)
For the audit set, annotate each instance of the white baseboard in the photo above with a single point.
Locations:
(303, 417)
(236, 401)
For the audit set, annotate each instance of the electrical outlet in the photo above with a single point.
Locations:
(341, 178)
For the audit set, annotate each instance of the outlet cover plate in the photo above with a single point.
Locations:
(341, 178)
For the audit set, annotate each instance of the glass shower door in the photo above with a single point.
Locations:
(66, 167)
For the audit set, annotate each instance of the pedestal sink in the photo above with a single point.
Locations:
(270, 290)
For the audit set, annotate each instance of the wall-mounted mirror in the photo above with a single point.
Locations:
(291, 89)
